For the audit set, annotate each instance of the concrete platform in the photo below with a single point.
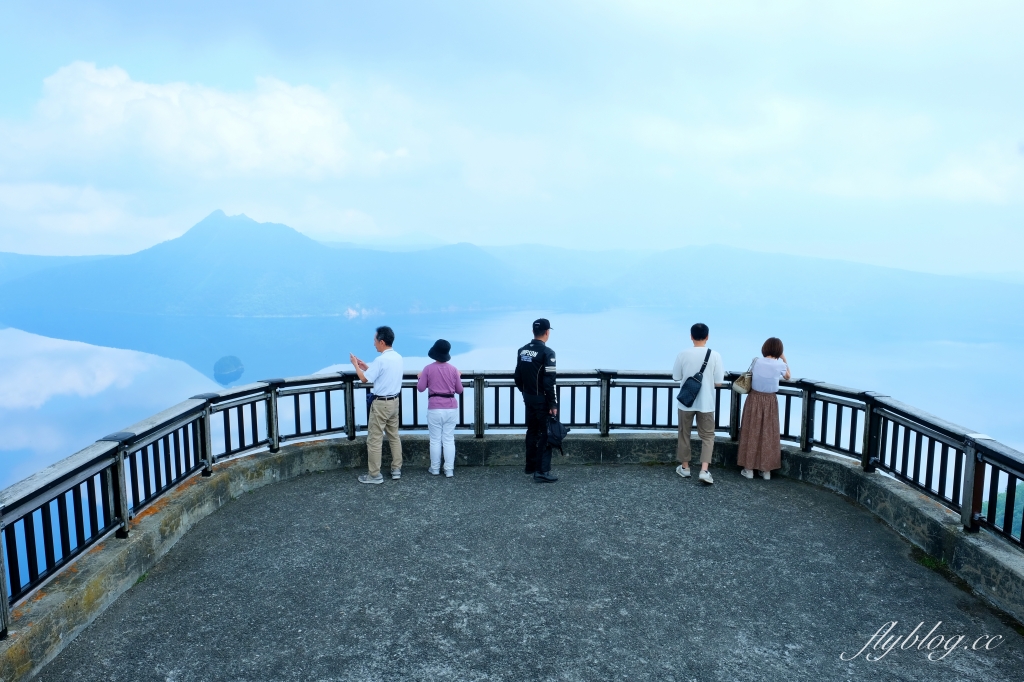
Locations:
(615, 572)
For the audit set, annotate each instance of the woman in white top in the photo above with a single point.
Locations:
(760, 445)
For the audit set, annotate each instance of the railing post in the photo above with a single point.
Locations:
(206, 440)
(604, 420)
(869, 456)
(350, 406)
(734, 414)
(119, 487)
(5, 606)
(121, 491)
(273, 423)
(478, 405)
(807, 417)
(208, 459)
(974, 485)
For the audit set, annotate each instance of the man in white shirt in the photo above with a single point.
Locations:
(687, 364)
(385, 373)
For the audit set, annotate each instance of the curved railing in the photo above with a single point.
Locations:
(53, 516)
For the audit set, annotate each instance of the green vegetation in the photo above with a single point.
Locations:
(932, 563)
(1018, 508)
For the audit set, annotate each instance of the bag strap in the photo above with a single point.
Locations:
(699, 376)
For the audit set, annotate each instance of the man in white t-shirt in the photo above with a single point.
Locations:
(687, 364)
(385, 373)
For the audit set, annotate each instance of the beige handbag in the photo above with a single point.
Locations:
(743, 382)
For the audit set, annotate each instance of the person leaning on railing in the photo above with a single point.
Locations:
(444, 382)
(760, 444)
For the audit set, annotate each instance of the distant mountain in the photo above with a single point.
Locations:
(868, 299)
(15, 265)
(233, 266)
(285, 304)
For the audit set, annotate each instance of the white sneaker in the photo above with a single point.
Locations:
(396, 474)
(433, 472)
(705, 476)
(448, 473)
(685, 473)
(766, 475)
(747, 473)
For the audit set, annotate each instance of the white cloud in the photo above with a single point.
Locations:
(812, 146)
(36, 369)
(61, 208)
(59, 219)
(276, 129)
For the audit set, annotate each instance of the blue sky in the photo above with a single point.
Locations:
(889, 133)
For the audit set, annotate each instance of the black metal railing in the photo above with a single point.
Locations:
(52, 517)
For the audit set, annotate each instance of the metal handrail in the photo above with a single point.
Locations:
(50, 518)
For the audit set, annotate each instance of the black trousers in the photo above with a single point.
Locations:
(538, 452)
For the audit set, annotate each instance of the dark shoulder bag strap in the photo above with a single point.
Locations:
(699, 376)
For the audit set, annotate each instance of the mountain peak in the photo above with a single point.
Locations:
(235, 231)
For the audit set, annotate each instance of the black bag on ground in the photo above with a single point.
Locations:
(691, 387)
(556, 433)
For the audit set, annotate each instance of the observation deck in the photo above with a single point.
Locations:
(163, 551)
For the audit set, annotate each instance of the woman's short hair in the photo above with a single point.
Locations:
(772, 348)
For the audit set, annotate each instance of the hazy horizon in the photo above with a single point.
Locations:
(849, 177)
(877, 133)
(395, 245)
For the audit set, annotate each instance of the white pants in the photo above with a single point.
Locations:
(441, 424)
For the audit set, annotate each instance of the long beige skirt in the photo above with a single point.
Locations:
(760, 446)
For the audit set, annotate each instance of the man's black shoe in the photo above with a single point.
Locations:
(544, 477)
(529, 471)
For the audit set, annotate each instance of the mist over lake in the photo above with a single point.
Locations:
(97, 343)
(57, 397)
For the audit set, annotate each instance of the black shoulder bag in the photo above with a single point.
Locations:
(691, 387)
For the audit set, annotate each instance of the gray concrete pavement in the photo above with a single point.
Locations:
(613, 573)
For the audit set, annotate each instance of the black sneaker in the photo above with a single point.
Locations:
(544, 477)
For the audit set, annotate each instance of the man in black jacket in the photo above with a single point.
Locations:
(535, 378)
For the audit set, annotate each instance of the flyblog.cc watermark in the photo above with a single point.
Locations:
(935, 645)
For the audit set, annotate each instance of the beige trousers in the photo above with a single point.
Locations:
(705, 430)
(383, 419)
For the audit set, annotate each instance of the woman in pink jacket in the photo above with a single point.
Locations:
(444, 382)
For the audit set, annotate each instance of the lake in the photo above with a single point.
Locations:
(58, 396)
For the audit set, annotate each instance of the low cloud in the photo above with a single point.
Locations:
(810, 146)
(276, 129)
(36, 369)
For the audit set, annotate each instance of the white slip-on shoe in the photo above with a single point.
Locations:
(705, 477)
(433, 472)
(766, 475)
(685, 473)
(449, 473)
(747, 473)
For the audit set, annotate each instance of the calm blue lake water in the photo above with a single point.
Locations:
(58, 396)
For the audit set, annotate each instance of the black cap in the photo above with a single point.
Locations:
(540, 326)
(440, 351)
